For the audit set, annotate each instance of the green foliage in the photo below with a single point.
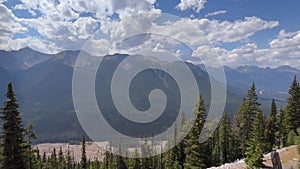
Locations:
(271, 128)
(254, 152)
(291, 138)
(195, 152)
(245, 117)
(297, 141)
(291, 119)
(247, 136)
(279, 134)
(12, 138)
(83, 154)
(225, 137)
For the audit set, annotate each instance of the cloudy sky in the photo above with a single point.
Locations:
(241, 32)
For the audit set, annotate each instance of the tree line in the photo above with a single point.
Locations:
(247, 136)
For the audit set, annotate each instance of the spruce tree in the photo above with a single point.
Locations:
(83, 154)
(12, 138)
(69, 160)
(61, 158)
(254, 151)
(271, 128)
(279, 134)
(195, 152)
(245, 117)
(225, 137)
(174, 152)
(136, 161)
(181, 145)
(292, 110)
(30, 156)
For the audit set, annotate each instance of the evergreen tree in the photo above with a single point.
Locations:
(225, 137)
(292, 110)
(61, 159)
(30, 155)
(83, 154)
(195, 152)
(215, 144)
(136, 162)
(146, 152)
(254, 151)
(279, 134)
(174, 152)
(271, 128)
(53, 160)
(181, 145)
(69, 160)
(245, 117)
(12, 138)
(291, 138)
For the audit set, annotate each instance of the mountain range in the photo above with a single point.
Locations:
(43, 85)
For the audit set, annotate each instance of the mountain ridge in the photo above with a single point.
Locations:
(39, 84)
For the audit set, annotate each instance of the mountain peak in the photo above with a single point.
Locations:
(287, 68)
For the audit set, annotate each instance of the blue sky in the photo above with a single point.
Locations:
(253, 32)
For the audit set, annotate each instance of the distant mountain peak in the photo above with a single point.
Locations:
(287, 68)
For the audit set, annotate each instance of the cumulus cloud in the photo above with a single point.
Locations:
(216, 13)
(11, 25)
(60, 22)
(202, 31)
(196, 5)
(61, 26)
(283, 50)
(226, 31)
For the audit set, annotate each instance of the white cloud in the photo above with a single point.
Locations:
(284, 50)
(225, 31)
(201, 31)
(129, 25)
(196, 5)
(61, 28)
(216, 13)
(11, 25)
(60, 22)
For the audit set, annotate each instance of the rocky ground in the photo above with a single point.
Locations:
(289, 157)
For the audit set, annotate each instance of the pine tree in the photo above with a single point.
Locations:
(136, 162)
(61, 159)
(245, 117)
(53, 159)
(279, 134)
(195, 152)
(83, 154)
(254, 151)
(30, 156)
(181, 145)
(69, 160)
(174, 152)
(215, 144)
(12, 138)
(225, 137)
(292, 110)
(146, 152)
(271, 128)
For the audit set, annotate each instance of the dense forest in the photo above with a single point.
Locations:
(249, 135)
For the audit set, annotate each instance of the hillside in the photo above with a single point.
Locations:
(43, 86)
(289, 157)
